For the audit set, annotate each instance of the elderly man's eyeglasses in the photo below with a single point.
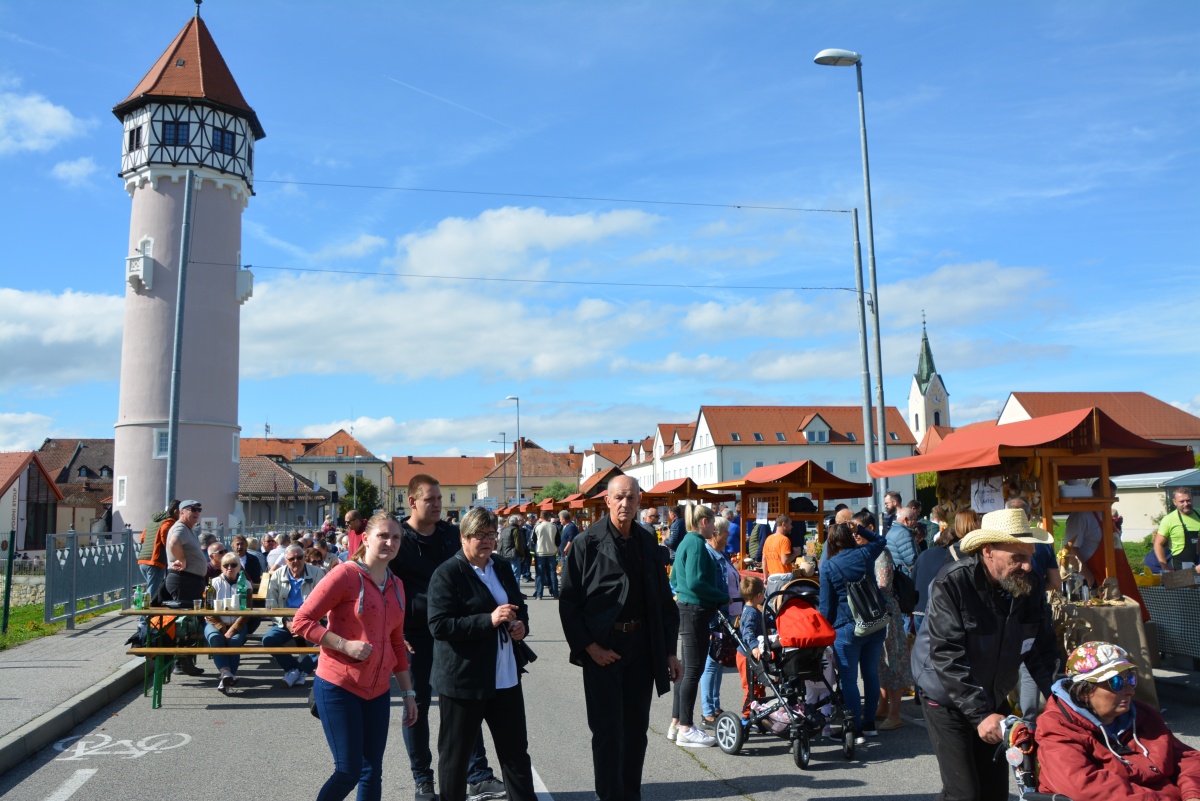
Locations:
(484, 535)
(1118, 682)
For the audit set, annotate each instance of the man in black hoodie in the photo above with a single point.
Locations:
(429, 541)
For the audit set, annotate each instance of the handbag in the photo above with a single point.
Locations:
(722, 648)
(866, 604)
(905, 590)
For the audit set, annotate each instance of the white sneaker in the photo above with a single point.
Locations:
(672, 730)
(694, 738)
(293, 677)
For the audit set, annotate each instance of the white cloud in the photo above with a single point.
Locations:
(30, 122)
(1191, 407)
(508, 240)
(699, 366)
(50, 340)
(779, 315)
(23, 431)
(364, 245)
(966, 294)
(681, 254)
(75, 173)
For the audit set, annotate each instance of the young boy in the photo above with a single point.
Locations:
(752, 631)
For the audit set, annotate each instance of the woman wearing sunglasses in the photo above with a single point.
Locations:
(1096, 743)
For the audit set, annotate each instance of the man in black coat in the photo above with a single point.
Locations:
(621, 625)
(429, 541)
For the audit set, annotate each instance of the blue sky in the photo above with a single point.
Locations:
(1034, 170)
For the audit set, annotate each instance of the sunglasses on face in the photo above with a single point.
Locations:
(295, 559)
(1118, 682)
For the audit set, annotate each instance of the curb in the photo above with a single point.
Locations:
(43, 730)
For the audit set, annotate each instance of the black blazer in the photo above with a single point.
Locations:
(460, 619)
(593, 590)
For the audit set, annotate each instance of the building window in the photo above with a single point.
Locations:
(758, 437)
(453, 497)
(937, 418)
(817, 436)
(358, 473)
(916, 421)
(780, 436)
(83, 472)
(135, 139)
(237, 447)
(332, 478)
(341, 449)
(161, 443)
(122, 489)
(174, 133)
(893, 436)
(224, 141)
(758, 464)
(105, 472)
(830, 466)
(735, 436)
(850, 435)
(737, 468)
(853, 467)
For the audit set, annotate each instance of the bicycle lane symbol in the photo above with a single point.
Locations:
(102, 745)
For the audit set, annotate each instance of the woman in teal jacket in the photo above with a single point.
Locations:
(699, 592)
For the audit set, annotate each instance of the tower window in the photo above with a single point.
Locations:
(135, 139)
(937, 418)
(174, 133)
(224, 141)
(916, 421)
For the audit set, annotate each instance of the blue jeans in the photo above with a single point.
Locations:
(279, 637)
(516, 568)
(547, 576)
(710, 688)
(155, 577)
(216, 639)
(356, 731)
(852, 653)
(416, 736)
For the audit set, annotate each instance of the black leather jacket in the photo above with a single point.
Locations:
(975, 637)
(414, 565)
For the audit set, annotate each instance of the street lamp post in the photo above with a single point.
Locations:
(504, 464)
(518, 400)
(846, 58)
(868, 445)
(355, 481)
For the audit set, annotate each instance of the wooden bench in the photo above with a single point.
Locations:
(160, 660)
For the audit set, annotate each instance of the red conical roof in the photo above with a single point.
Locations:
(191, 67)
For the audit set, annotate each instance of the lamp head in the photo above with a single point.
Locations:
(837, 58)
(512, 397)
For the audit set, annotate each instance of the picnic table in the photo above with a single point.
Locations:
(160, 659)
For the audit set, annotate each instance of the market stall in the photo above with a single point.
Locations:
(679, 490)
(772, 484)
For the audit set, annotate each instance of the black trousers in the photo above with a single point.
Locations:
(185, 587)
(461, 719)
(618, 713)
(969, 767)
(694, 635)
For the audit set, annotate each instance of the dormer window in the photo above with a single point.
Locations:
(780, 436)
(735, 436)
(850, 435)
(105, 472)
(341, 449)
(758, 437)
(817, 435)
(83, 472)
(893, 436)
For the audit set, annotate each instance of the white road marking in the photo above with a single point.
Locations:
(71, 785)
(99, 744)
(539, 787)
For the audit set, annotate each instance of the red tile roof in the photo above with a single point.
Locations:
(259, 475)
(203, 75)
(63, 458)
(537, 462)
(615, 452)
(13, 464)
(450, 471)
(790, 420)
(282, 447)
(327, 448)
(599, 479)
(1138, 412)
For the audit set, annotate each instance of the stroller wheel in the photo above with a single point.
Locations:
(730, 732)
(802, 750)
(848, 744)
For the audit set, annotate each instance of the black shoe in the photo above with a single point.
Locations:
(188, 667)
(487, 790)
(425, 792)
(869, 730)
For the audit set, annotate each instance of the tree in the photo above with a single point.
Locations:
(367, 500)
(556, 490)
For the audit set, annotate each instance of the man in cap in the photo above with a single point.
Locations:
(187, 565)
(986, 616)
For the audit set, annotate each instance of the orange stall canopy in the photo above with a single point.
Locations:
(773, 483)
(676, 490)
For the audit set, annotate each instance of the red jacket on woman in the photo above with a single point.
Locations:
(357, 610)
(1146, 763)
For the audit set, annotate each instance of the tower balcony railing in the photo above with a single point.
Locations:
(139, 272)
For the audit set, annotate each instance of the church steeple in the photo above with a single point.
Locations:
(928, 400)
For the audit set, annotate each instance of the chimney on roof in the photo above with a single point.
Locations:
(629, 442)
(616, 442)
(410, 461)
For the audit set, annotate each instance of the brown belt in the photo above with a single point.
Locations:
(627, 626)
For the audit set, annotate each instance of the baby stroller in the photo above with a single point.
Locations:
(794, 685)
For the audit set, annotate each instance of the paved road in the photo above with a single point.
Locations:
(262, 744)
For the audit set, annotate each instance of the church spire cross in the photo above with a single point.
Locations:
(198, 2)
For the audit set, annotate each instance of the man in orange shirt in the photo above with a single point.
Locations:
(778, 555)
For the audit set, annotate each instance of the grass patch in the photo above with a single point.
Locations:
(1135, 552)
(28, 623)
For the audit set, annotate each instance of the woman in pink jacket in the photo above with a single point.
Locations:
(1095, 743)
(361, 649)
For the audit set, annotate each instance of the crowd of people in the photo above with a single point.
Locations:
(440, 608)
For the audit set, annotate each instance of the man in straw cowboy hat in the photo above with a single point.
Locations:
(986, 616)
